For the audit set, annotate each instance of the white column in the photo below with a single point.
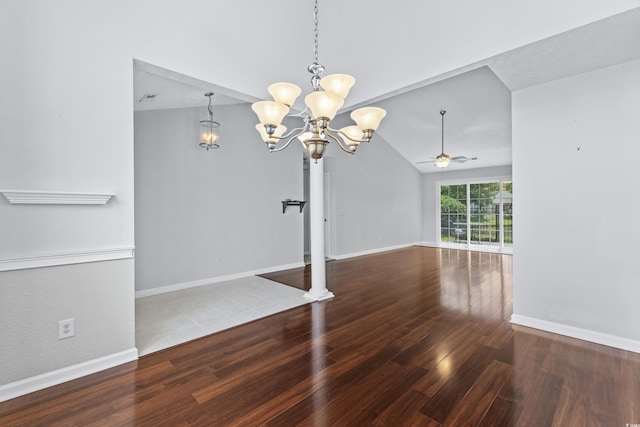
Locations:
(318, 289)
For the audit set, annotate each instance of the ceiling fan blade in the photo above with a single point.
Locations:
(462, 159)
(426, 161)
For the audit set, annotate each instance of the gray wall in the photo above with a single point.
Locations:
(375, 199)
(97, 295)
(577, 229)
(430, 193)
(204, 214)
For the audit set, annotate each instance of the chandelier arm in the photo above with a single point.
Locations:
(338, 131)
(275, 150)
(346, 150)
(301, 131)
(304, 113)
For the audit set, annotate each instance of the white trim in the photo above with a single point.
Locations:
(313, 297)
(374, 251)
(430, 244)
(508, 250)
(472, 248)
(212, 280)
(16, 197)
(579, 333)
(59, 376)
(51, 260)
(480, 180)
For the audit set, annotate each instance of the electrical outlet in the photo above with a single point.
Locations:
(219, 259)
(65, 329)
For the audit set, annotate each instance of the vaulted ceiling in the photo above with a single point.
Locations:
(419, 65)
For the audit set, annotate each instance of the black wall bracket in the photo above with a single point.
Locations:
(290, 202)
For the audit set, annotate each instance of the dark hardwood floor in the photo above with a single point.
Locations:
(417, 336)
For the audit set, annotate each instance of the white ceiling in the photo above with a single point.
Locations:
(477, 96)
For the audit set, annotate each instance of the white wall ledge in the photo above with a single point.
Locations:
(21, 197)
(55, 259)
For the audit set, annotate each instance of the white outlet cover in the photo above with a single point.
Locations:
(66, 329)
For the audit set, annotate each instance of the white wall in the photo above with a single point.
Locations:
(575, 165)
(375, 199)
(193, 205)
(430, 193)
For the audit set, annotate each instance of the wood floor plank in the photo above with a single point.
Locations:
(442, 403)
(402, 411)
(449, 365)
(540, 401)
(314, 386)
(501, 413)
(415, 336)
(471, 409)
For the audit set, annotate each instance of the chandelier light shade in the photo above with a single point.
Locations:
(351, 135)
(340, 84)
(208, 136)
(284, 93)
(368, 118)
(322, 105)
(270, 113)
(271, 140)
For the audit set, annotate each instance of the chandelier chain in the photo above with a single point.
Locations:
(315, 30)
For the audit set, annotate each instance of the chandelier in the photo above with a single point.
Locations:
(208, 137)
(322, 104)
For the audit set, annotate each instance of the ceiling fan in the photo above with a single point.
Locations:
(443, 160)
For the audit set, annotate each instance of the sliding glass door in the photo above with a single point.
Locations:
(453, 213)
(477, 214)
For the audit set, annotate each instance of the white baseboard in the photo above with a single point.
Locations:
(212, 280)
(475, 248)
(429, 244)
(59, 376)
(373, 251)
(55, 259)
(579, 333)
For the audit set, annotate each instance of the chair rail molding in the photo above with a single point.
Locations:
(24, 197)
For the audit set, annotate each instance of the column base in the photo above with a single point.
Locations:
(315, 297)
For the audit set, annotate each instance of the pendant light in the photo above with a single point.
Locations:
(208, 137)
